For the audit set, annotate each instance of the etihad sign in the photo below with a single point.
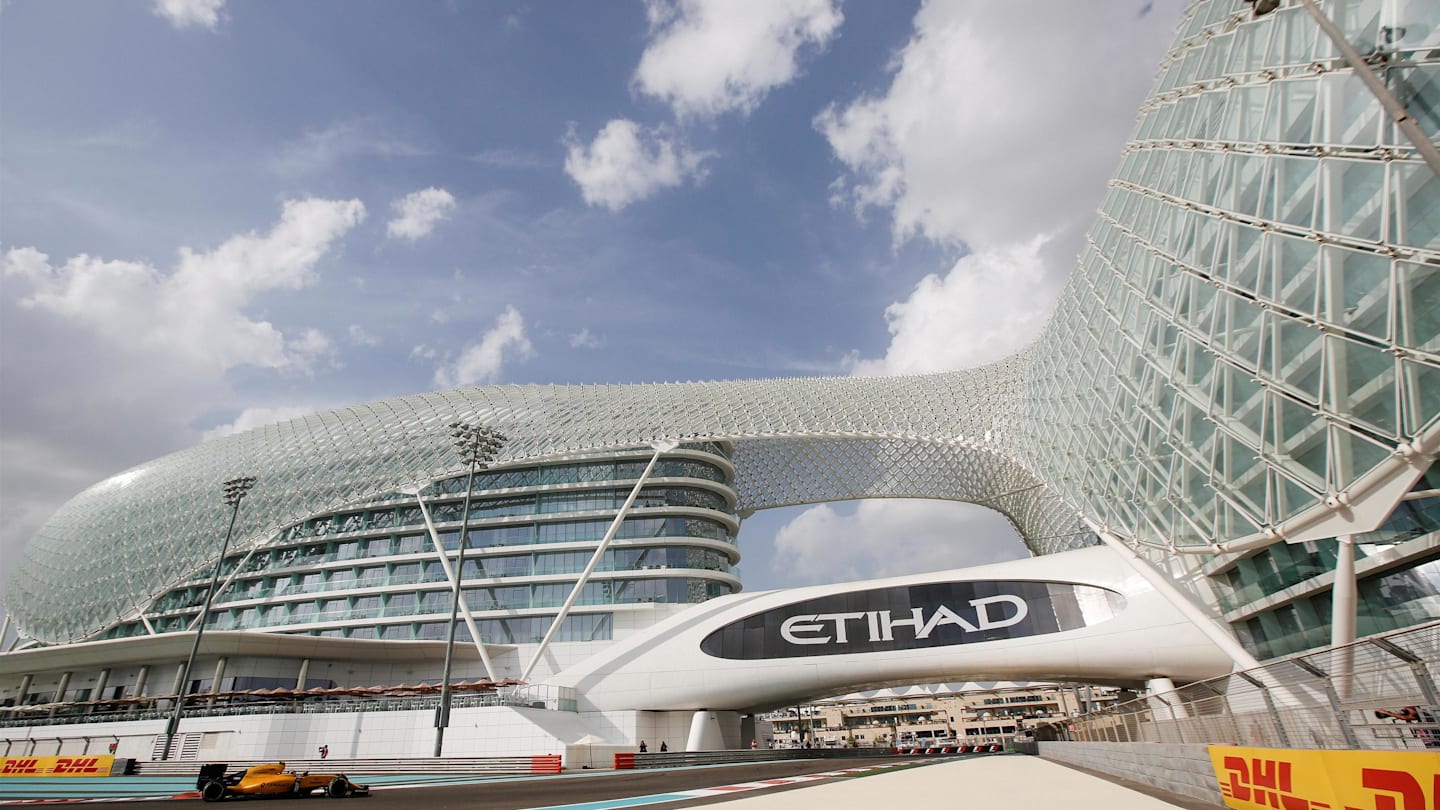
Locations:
(912, 617)
(881, 624)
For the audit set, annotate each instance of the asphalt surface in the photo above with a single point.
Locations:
(574, 788)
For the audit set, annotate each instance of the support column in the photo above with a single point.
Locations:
(99, 693)
(62, 687)
(303, 676)
(1162, 696)
(218, 676)
(1343, 604)
(705, 733)
(139, 688)
(179, 688)
(747, 731)
(25, 684)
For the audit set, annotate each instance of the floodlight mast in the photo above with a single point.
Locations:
(477, 446)
(234, 490)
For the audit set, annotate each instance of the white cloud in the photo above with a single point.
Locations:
(584, 340)
(257, 417)
(310, 347)
(506, 158)
(975, 141)
(185, 13)
(714, 56)
(319, 149)
(881, 538)
(995, 301)
(194, 315)
(1002, 151)
(481, 362)
(626, 163)
(417, 213)
(359, 337)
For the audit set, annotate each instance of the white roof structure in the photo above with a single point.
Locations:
(1248, 352)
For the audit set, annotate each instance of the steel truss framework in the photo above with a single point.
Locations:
(1248, 352)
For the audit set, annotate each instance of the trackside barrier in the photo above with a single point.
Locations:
(1378, 693)
(507, 766)
(948, 750)
(680, 759)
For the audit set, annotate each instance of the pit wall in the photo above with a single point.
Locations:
(1183, 769)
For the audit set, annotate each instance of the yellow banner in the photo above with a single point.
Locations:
(1270, 778)
(97, 765)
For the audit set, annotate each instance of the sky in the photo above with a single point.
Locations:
(216, 214)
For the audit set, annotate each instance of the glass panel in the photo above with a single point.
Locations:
(1249, 176)
(1296, 267)
(1293, 112)
(1295, 34)
(1361, 384)
(1357, 291)
(1292, 356)
(1352, 114)
(1422, 406)
(1245, 253)
(1354, 456)
(1242, 335)
(1247, 478)
(1419, 302)
(1298, 441)
(1416, 217)
(1245, 113)
(1242, 404)
(1292, 196)
(1354, 198)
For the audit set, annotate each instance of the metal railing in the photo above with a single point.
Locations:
(1377, 693)
(678, 759)
(538, 696)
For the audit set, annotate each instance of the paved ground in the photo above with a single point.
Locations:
(1013, 782)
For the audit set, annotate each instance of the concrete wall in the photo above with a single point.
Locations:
(1183, 769)
(480, 731)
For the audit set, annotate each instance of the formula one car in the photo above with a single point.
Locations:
(272, 780)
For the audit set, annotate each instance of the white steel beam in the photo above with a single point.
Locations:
(660, 448)
(453, 577)
(1166, 587)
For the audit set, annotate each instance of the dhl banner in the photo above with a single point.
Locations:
(98, 765)
(1283, 779)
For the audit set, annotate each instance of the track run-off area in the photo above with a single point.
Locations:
(575, 790)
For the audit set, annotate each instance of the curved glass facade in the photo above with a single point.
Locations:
(373, 571)
(1248, 353)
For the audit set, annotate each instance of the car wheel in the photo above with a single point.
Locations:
(338, 788)
(213, 791)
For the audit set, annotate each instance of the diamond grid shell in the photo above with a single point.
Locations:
(1249, 344)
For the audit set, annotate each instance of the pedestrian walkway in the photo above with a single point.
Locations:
(990, 783)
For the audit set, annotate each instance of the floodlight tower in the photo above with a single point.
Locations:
(234, 490)
(477, 446)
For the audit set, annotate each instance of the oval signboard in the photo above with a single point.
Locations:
(913, 617)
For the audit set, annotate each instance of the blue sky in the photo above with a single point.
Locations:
(216, 214)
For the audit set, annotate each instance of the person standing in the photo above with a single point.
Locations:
(664, 746)
(643, 747)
